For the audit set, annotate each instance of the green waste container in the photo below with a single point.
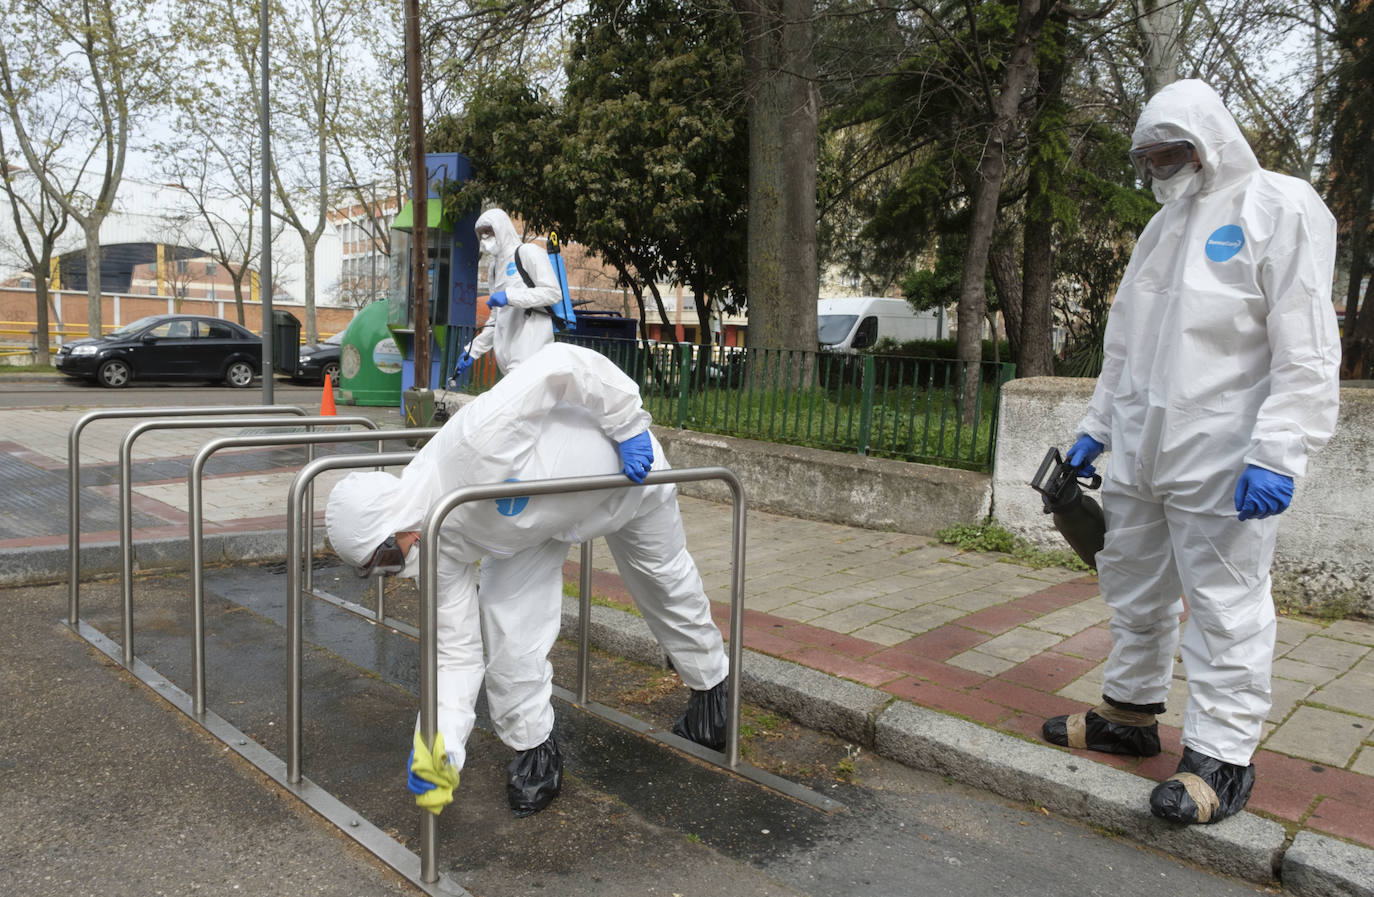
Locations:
(370, 360)
(286, 343)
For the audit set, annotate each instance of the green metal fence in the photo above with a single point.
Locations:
(884, 406)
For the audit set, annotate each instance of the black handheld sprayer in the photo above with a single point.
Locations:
(1078, 517)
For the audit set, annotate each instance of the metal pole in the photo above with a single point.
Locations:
(419, 200)
(265, 269)
(584, 623)
(74, 476)
(737, 537)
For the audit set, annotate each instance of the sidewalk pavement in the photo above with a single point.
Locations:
(974, 636)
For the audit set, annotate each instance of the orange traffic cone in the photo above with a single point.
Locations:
(327, 402)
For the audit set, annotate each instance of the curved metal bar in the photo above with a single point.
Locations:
(294, 651)
(126, 465)
(74, 475)
(196, 515)
(429, 605)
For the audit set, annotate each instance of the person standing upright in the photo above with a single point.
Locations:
(1219, 379)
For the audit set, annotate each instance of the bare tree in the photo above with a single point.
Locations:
(38, 222)
(213, 157)
(96, 64)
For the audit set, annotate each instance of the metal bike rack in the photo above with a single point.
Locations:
(74, 475)
(298, 520)
(429, 605)
(307, 525)
(126, 525)
(422, 870)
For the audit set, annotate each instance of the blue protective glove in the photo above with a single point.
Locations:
(637, 456)
(416, 784)
(464, 362)
(1261, 493)
(497, 299)
(1083, 453)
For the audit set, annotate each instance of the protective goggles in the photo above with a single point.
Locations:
(1161, 161)
(387, 560)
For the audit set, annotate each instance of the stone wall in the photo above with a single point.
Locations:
(833, 486)
(1324, 561)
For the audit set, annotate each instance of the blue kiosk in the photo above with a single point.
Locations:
(452, 254)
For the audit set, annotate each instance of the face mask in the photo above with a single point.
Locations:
(488, 245)
(1177, 187)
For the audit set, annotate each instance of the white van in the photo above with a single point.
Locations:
(859, 322)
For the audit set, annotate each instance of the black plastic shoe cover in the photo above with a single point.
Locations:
(1106, 736)
(704, 721)
(1171, 799)
(534, 778)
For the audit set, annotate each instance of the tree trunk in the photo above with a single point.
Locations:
(987, 190)
(1006, 277)
(783, 114)
(311, 333)
(1357, 353)
(1037, 356)
(40, 335)
(93, 311)
(237, 278)
(1157, 24)
(1049, 155)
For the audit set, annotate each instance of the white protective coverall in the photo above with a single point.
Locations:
(522, 327)
(1221, 350)
(560, 415)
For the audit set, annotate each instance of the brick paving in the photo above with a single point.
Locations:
(974, 635)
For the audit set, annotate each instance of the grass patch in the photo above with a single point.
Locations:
(988, 536)
(27, 369)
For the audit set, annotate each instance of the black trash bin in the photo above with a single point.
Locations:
(610, 334)
(286, 343)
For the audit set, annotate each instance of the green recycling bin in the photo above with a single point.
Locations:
(370, 360)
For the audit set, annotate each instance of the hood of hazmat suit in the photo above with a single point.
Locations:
(507, 239)
(1221, 347)
(538, 422)
(521, 328)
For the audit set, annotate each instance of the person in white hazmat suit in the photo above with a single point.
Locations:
(520, 323)
(1219, 379)
(567, 411)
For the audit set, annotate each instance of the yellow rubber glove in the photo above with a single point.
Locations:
(433, 766)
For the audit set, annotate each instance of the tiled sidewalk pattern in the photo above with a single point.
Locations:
(1004, 645)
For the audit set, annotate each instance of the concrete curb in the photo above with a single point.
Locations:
(1318, 866)
(34, 566)
(1246, 846)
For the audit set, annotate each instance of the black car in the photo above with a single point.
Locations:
(166, 347)
(320, 360)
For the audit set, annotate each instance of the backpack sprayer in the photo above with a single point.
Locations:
(1078, 517)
